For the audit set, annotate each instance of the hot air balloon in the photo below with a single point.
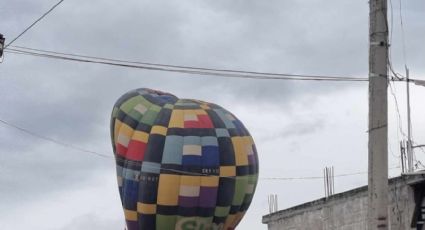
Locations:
(182, 164)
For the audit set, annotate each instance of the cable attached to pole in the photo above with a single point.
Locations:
(179, 69)
(34, 23)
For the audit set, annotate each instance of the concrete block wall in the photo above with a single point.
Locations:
(347, 211)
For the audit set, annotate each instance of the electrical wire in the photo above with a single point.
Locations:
(35, 22)
(396, 75)
(318, 177)
(420, 147)
(179, 66)
(399, 120)
(311, 177)
(74, 147)
(194, 70)
(403, 36)
(32, 133)
(390, 30)
(179, 69)
(189, 69)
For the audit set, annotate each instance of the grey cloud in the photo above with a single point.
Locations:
(72, 102)
(177, 34)
(90, 221)
(295, 130)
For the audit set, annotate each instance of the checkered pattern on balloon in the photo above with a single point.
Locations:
(181, 163)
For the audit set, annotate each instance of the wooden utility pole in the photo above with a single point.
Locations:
(378, 116)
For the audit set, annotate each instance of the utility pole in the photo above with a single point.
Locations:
(378, 116)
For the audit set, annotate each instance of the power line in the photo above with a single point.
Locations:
(179, 69)
(310, 177)
(74, 147)
(179, 66)
(390, 29)
(190, 69)
(403, 37)
(420, 147)
(395, 75)
(399, 120)
(316, 177)
(35, 22)
(29, 132)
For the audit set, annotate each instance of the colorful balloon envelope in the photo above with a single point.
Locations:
(181, 164)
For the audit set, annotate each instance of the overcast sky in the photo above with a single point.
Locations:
(299, 127)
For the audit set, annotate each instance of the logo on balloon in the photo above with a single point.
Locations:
(197, 224)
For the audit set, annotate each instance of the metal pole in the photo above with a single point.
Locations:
(268, 201)
(327, 182)
(333, 181)
(402, 156)
(275, 202)
(409, 126)
(378, 116)
(324, 181)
